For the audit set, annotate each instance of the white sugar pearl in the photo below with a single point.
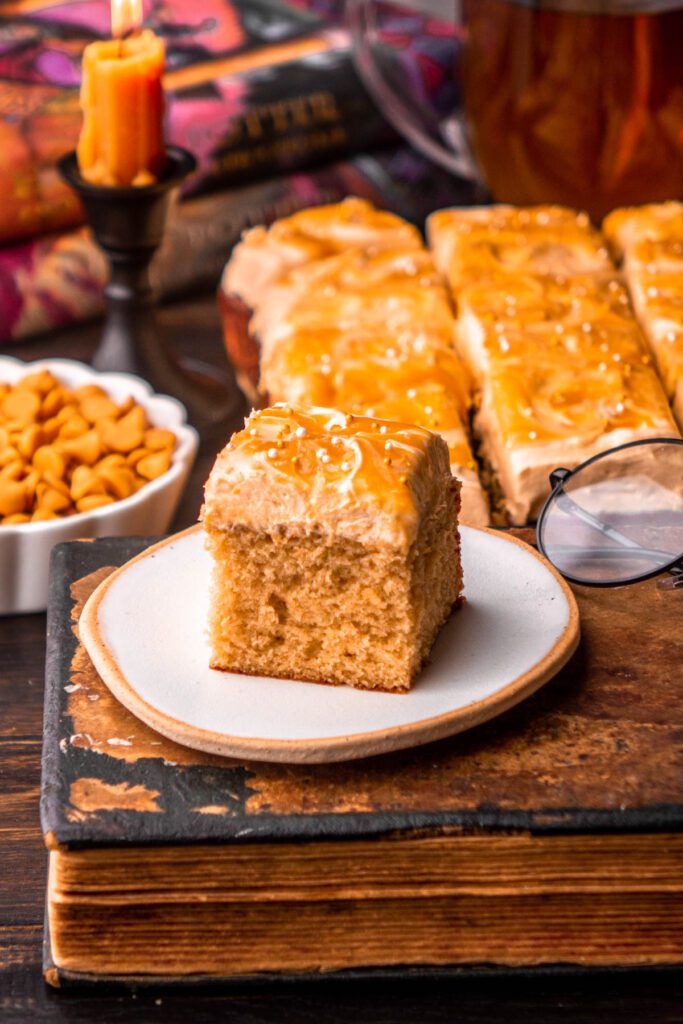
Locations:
(382, 430)
(300, 432)
(272, 453)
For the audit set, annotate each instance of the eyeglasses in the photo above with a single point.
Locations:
(618, 518)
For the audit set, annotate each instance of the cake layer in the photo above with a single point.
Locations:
(324, 472)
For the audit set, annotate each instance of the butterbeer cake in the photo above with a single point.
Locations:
(335, 548)
(649, 241)
(548, 332)
(348, 310)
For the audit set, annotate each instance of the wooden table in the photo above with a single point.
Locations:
(605, 997)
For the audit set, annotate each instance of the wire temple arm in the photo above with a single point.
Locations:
(674, 579)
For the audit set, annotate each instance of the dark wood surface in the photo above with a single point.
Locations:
(606, 997)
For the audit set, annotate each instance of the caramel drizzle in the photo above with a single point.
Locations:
(327, 448)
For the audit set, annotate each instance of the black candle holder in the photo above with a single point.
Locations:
(128, 224)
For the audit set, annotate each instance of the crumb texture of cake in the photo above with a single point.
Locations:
(335, 548)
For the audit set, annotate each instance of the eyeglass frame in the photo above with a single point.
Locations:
(557, 482)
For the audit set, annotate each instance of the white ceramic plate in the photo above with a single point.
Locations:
(144, 629)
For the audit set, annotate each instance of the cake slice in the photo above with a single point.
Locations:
(546, 328)
(335, 548)
(265, 255)
(649, 241)
(551, 406)
(308, 240)
(478, 243)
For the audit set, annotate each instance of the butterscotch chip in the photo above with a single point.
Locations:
(12, 497)
(156, 439)
(51, 498)
(17, 519)
(87, 391)
(21, 406)
(65, 413)
(122, 436)
(52, 403)
(9, 454)
(56, 483)
(74, 426)
(113, 459)
(42, 515)
(51, 428)
(48, 459)
(42, 382)
(153, 466)
(126, 405)
(118, 480)
(93, 501)
(85, 449)
(30, 439)
(134, 457)
(13, 470)
(98, 407)
(85, 481)
(30, 483)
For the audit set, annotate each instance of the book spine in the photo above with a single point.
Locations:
(306, 107)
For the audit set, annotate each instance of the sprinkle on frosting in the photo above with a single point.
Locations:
(337, 466)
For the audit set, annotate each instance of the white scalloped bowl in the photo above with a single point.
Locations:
(25, 549)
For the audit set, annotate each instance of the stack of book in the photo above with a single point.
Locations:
(266, 97)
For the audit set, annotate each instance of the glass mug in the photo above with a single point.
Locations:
(578, 102)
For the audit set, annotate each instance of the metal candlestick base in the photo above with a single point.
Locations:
(128, 224)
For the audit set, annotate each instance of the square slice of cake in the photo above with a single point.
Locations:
(335, 548)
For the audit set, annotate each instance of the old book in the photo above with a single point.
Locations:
(549, 836)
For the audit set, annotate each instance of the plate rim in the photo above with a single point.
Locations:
(330, 749)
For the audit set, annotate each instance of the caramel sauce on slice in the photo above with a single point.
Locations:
(315, 447)
(548, 397)
(322, 231)
(508, 240)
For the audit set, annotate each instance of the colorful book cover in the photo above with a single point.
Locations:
(58, 279)
(252, 87)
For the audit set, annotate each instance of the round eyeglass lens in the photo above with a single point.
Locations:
(619, 517)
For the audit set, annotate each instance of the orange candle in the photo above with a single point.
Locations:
(122, 141)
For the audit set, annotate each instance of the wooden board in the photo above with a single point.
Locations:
(595, 749)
